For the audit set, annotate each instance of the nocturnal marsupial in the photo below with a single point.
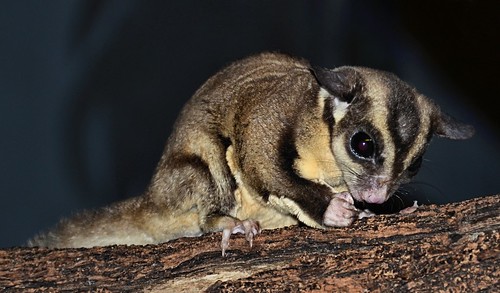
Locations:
(271, 141)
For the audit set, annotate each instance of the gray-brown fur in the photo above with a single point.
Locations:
(288, 127)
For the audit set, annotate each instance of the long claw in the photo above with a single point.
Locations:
(226, 234)
(248, 227)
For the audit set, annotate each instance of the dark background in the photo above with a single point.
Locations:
(89, 89)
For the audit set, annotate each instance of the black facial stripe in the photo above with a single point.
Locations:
(404, 122)
(355, 114)
(354, 121)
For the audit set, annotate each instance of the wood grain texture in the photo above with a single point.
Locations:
(448, 248)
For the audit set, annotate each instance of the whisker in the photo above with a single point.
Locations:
(399, 197)
(427, 185)
(402, 191)
(356, 176)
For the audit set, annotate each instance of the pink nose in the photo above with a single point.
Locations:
(375, 198)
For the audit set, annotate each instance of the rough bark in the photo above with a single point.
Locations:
(449, 248)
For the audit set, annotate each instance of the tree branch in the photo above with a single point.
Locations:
(450, 247)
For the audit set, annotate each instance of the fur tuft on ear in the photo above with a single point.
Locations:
(451, 128)
(340, 82)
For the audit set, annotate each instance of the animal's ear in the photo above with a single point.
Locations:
(449, 127)
(341, 83)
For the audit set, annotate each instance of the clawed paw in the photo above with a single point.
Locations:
(341, 211)
(248, 227)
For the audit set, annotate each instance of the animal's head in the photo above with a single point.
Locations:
(381, 128)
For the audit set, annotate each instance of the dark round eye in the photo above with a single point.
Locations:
(415, 166)
(362, 145)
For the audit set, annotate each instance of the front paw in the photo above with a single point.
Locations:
(341, 211)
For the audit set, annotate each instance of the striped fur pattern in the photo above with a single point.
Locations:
(273, 139)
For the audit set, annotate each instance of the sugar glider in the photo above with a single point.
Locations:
(271, 141)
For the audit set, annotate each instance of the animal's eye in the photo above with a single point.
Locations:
(415, 166)
(363, 145)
